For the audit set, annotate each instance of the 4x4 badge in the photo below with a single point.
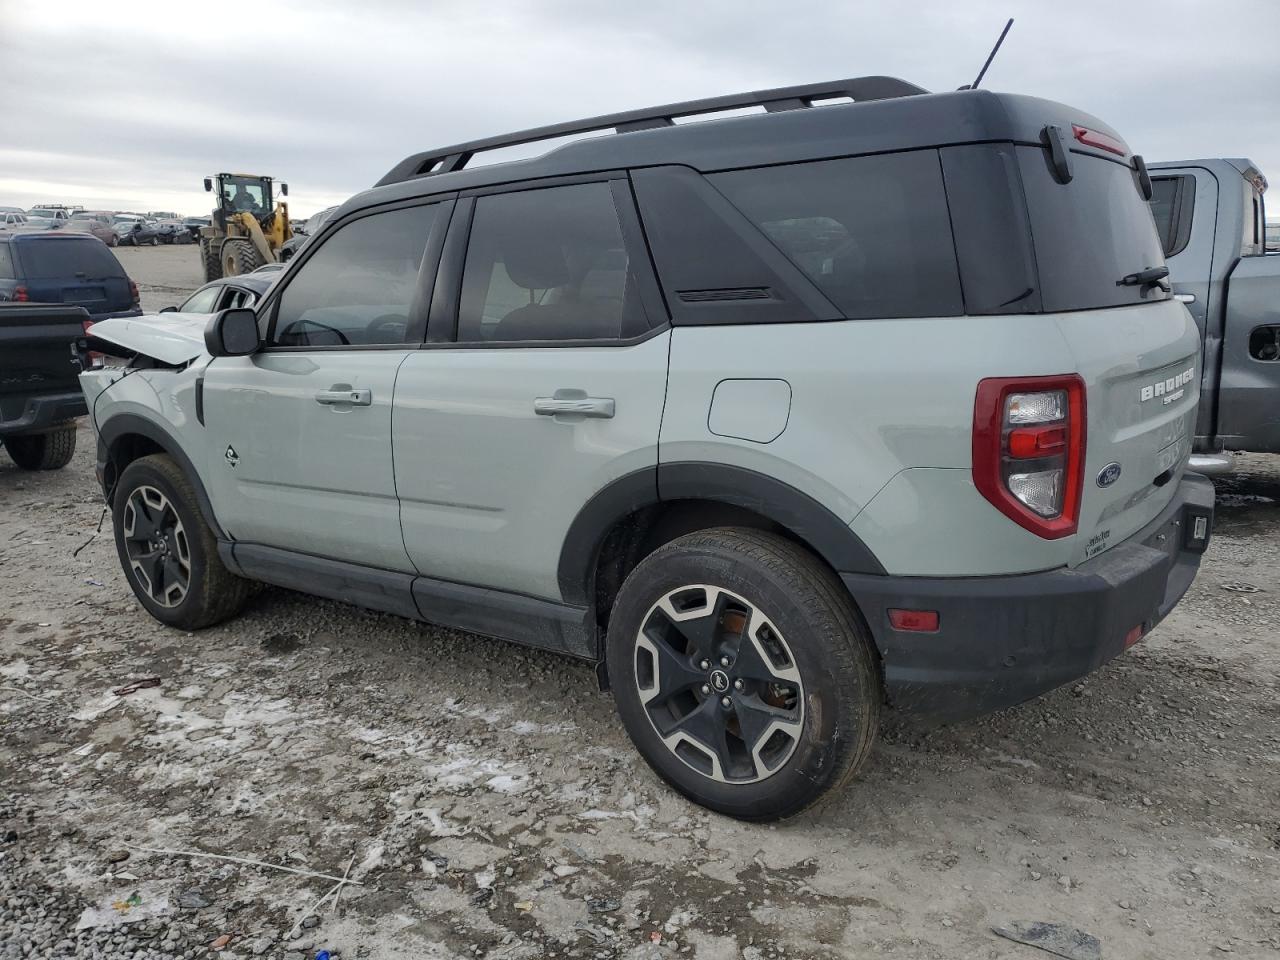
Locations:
(233, 458)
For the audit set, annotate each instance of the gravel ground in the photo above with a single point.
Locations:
(487, 802)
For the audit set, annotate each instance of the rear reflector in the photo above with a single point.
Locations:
(1102, 141)
(914, 621)
(1133, 636)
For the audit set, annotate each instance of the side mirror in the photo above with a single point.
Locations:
(208, 184)
(232, 333)
(284, 189)
(168, 309)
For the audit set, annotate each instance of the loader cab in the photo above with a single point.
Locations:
(241, 193)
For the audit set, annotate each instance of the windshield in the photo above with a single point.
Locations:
(244, 193)
(45, 214)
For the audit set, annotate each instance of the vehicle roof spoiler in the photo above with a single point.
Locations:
(449, 159)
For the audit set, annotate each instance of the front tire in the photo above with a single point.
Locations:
(43, 451)
(210, 259)
(239, 257)
(743, 672)
(168, 553)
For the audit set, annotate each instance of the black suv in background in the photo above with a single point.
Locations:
(65, 268)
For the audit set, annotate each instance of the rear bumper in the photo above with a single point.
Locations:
(40, 413)
(1003, 640)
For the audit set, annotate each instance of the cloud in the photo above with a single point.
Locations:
(135, 101)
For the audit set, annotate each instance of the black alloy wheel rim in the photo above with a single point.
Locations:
(156, 544)
(719, 684)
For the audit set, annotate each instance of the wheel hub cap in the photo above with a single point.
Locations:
(719, 684)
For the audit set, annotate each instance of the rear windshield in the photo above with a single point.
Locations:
(872, 233)
(1089, 233)
(49, 259)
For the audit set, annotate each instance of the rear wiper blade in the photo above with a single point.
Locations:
(1144, 277)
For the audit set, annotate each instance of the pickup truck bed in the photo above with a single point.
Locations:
(40, 396)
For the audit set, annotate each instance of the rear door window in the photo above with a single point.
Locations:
(549, 265)
(872, 233)
(1089, 233)
(48, 259)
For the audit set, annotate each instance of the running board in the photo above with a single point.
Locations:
(515, 617)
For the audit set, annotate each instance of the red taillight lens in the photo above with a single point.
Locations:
(20, 295)
(95, 358)
(1102, 141)
(133, 291)
(1028, 450)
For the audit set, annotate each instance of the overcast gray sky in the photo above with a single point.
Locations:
(128, 104)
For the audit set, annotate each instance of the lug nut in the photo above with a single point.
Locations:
(725, 702)
(724, 661)
(737, 684)
(705, 664)
(706, 689)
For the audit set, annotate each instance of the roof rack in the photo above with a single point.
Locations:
(448, 159)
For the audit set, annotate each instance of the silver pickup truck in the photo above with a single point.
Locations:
(1211, 220)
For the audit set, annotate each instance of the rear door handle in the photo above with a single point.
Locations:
(601, 407)
(340, 393)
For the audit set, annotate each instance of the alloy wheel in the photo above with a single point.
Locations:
(719, 684)
(157, 547)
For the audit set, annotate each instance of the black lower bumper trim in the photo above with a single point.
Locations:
(1003, 640)
(42, 413)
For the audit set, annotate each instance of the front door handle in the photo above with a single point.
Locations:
(341, 393)
(601, 407)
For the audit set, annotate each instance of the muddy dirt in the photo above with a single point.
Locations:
(489, 805)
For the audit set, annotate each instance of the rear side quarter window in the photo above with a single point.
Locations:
(872, 233)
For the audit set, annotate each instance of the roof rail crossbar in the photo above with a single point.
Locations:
(448, 159)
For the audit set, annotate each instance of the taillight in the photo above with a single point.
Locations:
(1028, 450)
(95, 358)
(20, 294)
(1093, 138)
(133, 292)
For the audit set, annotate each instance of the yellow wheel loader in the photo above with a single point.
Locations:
(247, 229)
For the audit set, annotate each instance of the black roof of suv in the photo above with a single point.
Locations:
(886, 114)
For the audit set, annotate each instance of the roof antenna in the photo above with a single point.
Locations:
(994, 50)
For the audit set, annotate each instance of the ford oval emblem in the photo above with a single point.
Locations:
(1109, 474)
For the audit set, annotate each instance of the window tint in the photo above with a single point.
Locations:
(1089, 233)
(871, 232)
(1172, 203)
(202, 301)
(361, 286)
(1164, 193)
(44, 259)
(6, 262)
(548, 265)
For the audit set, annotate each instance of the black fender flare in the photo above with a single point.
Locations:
(802, 515)
(126, 424)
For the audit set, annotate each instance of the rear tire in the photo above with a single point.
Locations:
(168, 553)
(43, 451)
(239, 257)
(743, 672)
(211, 259)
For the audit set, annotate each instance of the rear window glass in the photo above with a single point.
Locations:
(47, 259)
(1088, 233)
(872, 233)
(6, 262)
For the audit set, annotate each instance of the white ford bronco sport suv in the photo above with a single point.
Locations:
(779, 419)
